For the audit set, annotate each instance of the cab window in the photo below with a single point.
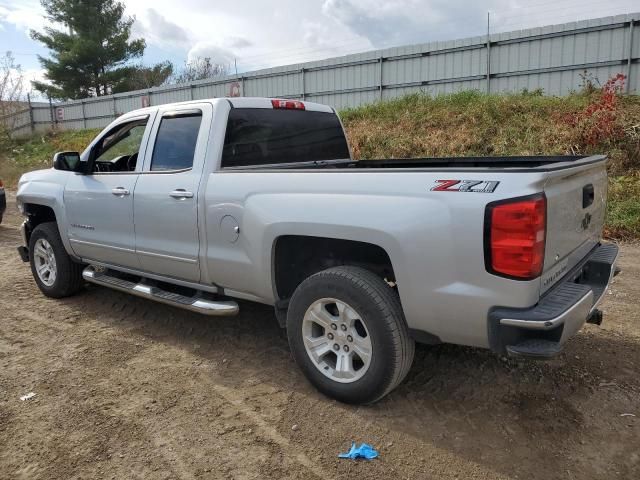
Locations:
(118, 150)
(175, 144)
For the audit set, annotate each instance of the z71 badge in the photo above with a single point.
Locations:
(477, 186)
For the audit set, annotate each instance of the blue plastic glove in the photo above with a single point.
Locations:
(363, 451)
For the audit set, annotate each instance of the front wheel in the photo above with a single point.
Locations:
(55, 273)
(348, 334)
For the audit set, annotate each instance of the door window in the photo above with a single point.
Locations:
(176, 142)
(118, 150)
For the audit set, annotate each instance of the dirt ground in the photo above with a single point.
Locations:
(127, 388)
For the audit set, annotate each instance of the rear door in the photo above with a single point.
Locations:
(576, 207)
(166, 195)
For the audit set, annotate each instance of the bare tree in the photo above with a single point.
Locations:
(199, 69)
(11, 91)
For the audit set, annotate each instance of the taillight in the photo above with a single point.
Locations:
(515, 236)
(287, 104)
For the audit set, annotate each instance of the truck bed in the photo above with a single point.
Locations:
(512, 163)
(526, 162)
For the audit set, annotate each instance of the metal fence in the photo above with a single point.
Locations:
(552, 58)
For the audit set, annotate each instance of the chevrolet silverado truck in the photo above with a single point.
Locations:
(201, 203)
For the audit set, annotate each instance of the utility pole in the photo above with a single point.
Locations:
(235, 64)
(488, 55)
(31, 123)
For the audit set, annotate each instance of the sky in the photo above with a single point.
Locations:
(254, 34)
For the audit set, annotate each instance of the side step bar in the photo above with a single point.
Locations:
(195, 304)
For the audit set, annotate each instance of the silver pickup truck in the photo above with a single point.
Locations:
(199, 203)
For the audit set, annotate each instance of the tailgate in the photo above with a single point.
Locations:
(576, 207)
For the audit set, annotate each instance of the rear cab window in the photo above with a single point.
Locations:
(263, 136)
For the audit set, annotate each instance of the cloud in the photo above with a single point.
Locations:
(237, 42)
(207, 49)
(397, 22)
(24, 77)
(34, 74)
(24, 15)
(157, 30)
(279, 32)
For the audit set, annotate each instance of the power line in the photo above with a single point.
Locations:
(558, 8)
(522, 20)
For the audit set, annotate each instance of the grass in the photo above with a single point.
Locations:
(36, 152)
(623, 215)
(462, 124)
(471, 123)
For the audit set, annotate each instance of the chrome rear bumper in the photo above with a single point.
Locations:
(563, 310)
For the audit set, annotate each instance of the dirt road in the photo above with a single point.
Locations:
(126, 388)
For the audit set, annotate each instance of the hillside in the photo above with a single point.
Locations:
(462, 124)
(36, 152)
(471, 123)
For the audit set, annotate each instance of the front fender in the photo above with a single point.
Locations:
(46, 188)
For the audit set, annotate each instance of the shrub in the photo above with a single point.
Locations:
(598, 124)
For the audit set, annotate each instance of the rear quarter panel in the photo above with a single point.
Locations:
(434, 239)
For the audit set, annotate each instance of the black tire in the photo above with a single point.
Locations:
(379, 306)
(68, 279)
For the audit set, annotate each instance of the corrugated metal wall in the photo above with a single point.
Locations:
(551, 58)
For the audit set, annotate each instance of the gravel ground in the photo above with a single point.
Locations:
(126, 388)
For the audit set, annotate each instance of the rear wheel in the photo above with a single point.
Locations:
(348, 334)
(55, 273)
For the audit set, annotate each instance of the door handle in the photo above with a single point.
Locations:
(120, 191)
(588, 195)
(181, 193)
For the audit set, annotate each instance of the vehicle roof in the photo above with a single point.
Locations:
(236, 102)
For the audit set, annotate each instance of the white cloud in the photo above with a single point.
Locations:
(157, 30)
(397, 22)
(24, 77)
(278, 32)
(34, 74)
(237, 42)
(25, 15)
(212, 51)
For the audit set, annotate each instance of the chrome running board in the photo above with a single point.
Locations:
(195, 304)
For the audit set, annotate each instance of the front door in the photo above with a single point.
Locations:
(100, 204)
(166, 195)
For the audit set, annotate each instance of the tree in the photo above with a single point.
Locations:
(141, 77)
(199, 69)
(11, 90)
(88, 58)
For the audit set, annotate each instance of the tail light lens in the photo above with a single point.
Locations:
(515, 233)
(287, 104)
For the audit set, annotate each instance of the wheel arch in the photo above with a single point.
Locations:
(37, 214)
(41, 194)
(296, 257)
